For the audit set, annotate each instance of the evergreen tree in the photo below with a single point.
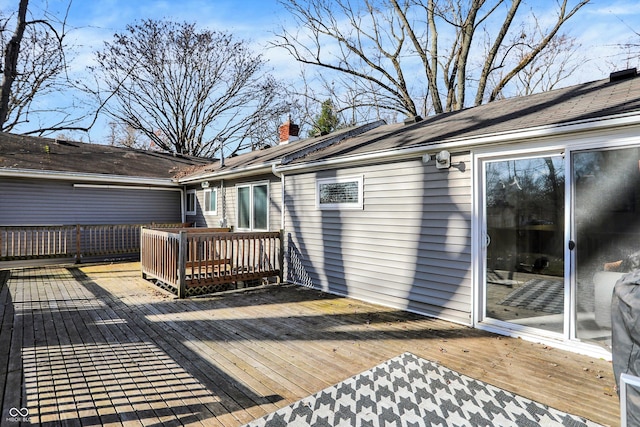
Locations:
(327, 121)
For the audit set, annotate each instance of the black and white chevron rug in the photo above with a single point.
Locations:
(410, 391)
(538, 294)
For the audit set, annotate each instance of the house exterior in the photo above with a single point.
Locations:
(516, 217)
(45, 181)
(243, 192)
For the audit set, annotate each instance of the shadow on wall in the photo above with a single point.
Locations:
(409, 248)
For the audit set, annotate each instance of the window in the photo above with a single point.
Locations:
(211, 201)
(339, 193)
(253, 206)
(191, 202)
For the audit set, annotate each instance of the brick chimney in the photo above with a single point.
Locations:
(288, 132)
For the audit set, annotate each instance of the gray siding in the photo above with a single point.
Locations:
(409, 248)
(42, 202)
(227, 202)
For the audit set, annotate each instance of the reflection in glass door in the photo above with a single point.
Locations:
(606, 208)
(524, 223)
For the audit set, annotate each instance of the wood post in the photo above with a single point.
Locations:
(78, 253)
(281, 257)
(182, 264)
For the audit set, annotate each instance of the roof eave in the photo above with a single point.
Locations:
(86, 177)
(626, 119)
(253, 170)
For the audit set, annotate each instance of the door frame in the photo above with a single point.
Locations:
(567, 339)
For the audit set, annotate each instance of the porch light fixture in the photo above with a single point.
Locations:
(443, 160)
(204, 184)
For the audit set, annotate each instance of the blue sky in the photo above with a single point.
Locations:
(599, 27)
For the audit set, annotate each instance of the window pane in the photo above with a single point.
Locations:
(607, 220)
(210, 200)
(244, 207)
(339, 192)
(260, 207)
(525, 242)
(191, 202)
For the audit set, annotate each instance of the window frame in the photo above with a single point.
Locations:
(252, 221)
(194, 194)
(213, 193)
(359, 179)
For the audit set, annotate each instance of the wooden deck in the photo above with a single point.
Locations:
(98, 345)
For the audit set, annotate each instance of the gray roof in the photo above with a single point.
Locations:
(274, 155)
(18, 152)
(584, 102)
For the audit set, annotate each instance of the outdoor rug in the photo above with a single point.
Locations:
(410, 391)
(539, 295)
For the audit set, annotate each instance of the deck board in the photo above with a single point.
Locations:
(100, 345)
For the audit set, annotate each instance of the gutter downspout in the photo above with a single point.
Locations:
(223, 196)
(183, 204)
(282, 183)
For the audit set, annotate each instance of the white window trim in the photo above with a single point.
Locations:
(195, 202)
(337, 180)
(251, 212)
(213, 192)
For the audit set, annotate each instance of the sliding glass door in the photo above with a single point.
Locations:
(606, 205)
(541, 274)
(524, 256)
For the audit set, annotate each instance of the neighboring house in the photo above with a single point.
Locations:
(52, 182)
(501, 216)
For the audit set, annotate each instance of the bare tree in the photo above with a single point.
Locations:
(355, 100)
(556, 63)
(34, 66)
(126, 136)
(627, 54)
(415, 55)
(188, 91)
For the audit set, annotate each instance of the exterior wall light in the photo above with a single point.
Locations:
(443, 160)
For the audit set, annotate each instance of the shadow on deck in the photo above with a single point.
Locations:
(98, 345)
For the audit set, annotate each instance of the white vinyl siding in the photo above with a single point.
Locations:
(408, 248)
(42, 202)
(227, 206)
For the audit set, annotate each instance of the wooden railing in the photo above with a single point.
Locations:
(70, 241)
(190, 258)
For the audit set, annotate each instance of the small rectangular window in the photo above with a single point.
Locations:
(339, 193)
(211, 201)
(191, 202)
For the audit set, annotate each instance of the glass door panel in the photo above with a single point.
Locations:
(524, 222)
(607, 232)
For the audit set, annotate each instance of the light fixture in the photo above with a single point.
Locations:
(443, 160)
(204, 184)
